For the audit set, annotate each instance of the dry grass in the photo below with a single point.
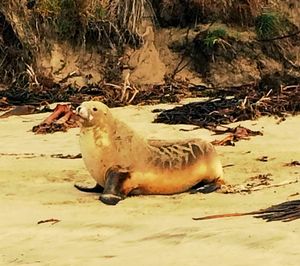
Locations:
(14, 55)
(241, 12)
(118, 15)
(85, 23)
(236, 11)
(226, 6)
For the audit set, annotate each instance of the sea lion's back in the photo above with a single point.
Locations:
(179, 154)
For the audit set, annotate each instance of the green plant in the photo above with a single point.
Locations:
(214, 37)
(100, 12)
(267, 25)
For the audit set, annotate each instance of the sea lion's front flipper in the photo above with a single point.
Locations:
(114, 179)
(95, 189)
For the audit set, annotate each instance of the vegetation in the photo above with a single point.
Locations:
(184, 12)
(214, 37)
(113, 22)
(213, 43)
(50, 7)
(13, 55)
(28, 34)
(268, 25)
(68, 20)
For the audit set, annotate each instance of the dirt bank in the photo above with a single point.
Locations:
(83, 43)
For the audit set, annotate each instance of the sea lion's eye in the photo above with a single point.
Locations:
(95, 109)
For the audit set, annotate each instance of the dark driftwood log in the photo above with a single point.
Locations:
(19, 110)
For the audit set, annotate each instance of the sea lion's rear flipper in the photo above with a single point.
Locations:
(95, 189)
(208, 188)
(114, 179)
(205, 188)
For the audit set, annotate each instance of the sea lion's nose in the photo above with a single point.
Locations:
(78, 109)
(82, 111)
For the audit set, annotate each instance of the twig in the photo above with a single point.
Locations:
(70, 75)
(68, 156)
(133, 96)
(208, 217)
(112, 85)
(126, 84)
(290, 87)
(280, 37)
(249, 187)
(228, 165)
(275, 185)
(293, 163)
(179, 68)
(52, 220)
(32, 74)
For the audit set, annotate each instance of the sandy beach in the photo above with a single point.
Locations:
(145, 230)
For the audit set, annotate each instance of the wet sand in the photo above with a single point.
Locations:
(145, 230)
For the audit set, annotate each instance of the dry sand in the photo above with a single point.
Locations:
(146, 230)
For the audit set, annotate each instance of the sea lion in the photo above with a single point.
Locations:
(123, 163)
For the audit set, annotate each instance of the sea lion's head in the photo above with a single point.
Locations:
(92, 113)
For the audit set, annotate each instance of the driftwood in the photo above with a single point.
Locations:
(19, 110)
(235, 134)
(62, 118)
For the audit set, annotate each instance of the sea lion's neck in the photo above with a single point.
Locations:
(102, 135)
(107, 132)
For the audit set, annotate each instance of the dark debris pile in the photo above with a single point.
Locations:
(246, 104)
(111, 94)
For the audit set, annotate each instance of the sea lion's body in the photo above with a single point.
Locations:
(175, 167)
(153, 166)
